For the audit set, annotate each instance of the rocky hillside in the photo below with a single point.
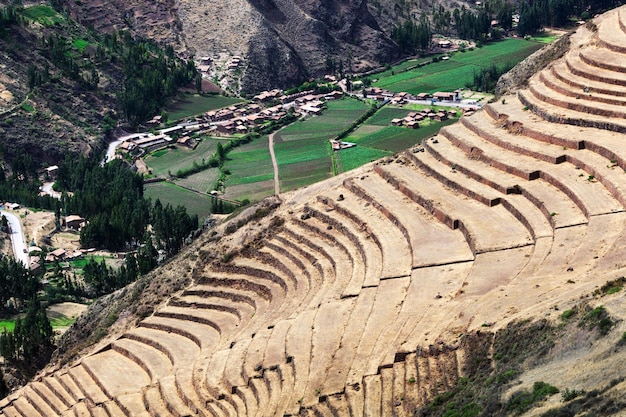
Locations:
(479, 273)
(282, 42)
(48, 109)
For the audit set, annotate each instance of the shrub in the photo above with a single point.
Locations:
(567, 314)
(522, 401)
(598, 318)
(569, 395)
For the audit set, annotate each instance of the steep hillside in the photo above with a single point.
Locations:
(479, 273)
(282, 42)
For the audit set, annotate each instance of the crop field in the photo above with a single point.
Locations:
(202, 182)
(459, 69)
(173, 159)
(351, 158)
(403, 66)
(302, 150)
(188, 105)
(45, 15)
(7, 325)
(171, 193)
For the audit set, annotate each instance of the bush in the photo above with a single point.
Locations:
(522, 401)
(598, 318)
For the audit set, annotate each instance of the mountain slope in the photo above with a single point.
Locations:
(484, 261)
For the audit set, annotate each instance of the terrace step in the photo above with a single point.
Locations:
(132, 404)
(387, 305)
(233, 371)
(339, 405)
(87, 385)
(482, 228)
(330, 323)
(470, 184)
(247, 397)
(224, 322)
(604, 59)
(298, 347)
(81, 410)
(591, 198)
(10, 411)
(67, 382)
(179, 349)
(239, 309)
(542, 195)
(105, 367)
(350, 269)
(610, 33)
(253, 362)
(154, 403)
(355, 395)
(556, 83)
(339, 366)
(204, 336)
(188, 392)
(372, 386)
(41, 404)
(306, 266)
(171, 398)
(601, 79)
(59, 391)
(344, 231)
(25, 408)
(578, 78)
(432, 243)
(50, 397)
(261, 393)
(539, 101)
(274, 386)
(562, 97)
(150, 359)
(275, 354)
(412, 400)
(394, 247)
(286, 374)
(387, 402)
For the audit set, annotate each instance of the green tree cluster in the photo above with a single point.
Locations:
(16, 282)
(31, 341)
(413, 37)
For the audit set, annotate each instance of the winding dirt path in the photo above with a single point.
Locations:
(274, 164)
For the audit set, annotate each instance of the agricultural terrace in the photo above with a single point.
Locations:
(171, 160)
(167, 192)
(302, 149)
(45, 15)
(458, 71)
(376, 137)
(187, 105)
(251, 175)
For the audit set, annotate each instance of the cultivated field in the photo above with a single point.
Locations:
(195, 203)
(188, 105)
(170, 160)
(459, 69)
(302, 149)
(251, 175)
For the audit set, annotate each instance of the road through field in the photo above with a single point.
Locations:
(274, 164)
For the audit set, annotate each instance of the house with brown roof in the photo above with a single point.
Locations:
(74, 222)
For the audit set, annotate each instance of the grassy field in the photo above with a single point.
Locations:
(42, 14)
(7, 325)
(252, 176)
(203, 181)
(171, 160)
(188, 105)
(459, 69)
(175, 195)
(302, 149)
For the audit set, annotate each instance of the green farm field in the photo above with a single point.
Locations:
(459, 69)
(171, 193)
(203, 181)
(302, 149)
(188, 105)
(252, 176)
(173, 159)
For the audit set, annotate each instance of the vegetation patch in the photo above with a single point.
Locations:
(187, 105)
(611, 287)
(7, 325)
(597, 318)
(169, 193)
(523, 400)
(43, 14)
(458, 71)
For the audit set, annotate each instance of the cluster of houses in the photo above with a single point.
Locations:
(399, 99)
(413, 119)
